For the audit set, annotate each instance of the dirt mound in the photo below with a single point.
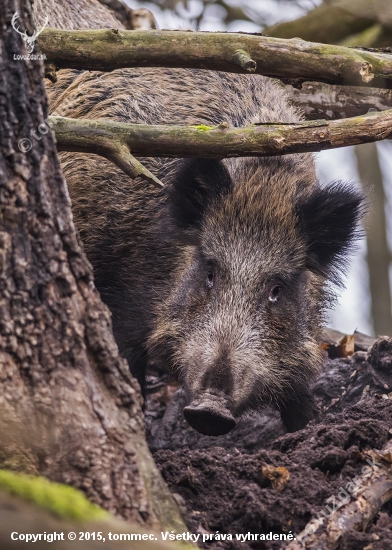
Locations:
(258, 480)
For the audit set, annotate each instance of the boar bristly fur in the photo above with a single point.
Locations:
(223, 276)
(241, 322)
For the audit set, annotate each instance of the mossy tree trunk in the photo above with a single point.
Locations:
(69, 408)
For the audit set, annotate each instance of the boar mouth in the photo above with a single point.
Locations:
(208, 418)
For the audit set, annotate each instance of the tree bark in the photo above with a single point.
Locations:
(288, 60)
(47, 512)
(331, 102)
(70, 410)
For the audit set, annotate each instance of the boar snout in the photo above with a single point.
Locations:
(209, 417)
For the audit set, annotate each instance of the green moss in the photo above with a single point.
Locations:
(61, 500)
(203, 128)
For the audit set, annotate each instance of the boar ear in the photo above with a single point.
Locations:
(329, 221)
(198, 182)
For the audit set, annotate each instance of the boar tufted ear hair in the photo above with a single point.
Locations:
(329, 219)
(198, 182)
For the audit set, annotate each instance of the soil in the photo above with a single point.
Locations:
(223, 484)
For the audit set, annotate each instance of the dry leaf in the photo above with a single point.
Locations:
(278, 476)
(346, 345)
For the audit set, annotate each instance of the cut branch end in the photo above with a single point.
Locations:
(243, 60)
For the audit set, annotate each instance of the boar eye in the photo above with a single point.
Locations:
(210, 279)
(274, 293)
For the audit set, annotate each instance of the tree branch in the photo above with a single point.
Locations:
(289, 60)
(110, 147)
(332, 102)
(348, 22)
(326, 23)
(370, 491)
(119, 154)
(114, 140)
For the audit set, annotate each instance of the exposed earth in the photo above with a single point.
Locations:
(257, 479)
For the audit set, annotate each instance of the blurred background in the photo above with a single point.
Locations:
(365, 303)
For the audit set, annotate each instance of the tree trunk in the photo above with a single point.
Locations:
(378, 255)
(70, 409)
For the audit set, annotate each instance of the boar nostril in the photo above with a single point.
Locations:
(208, 421)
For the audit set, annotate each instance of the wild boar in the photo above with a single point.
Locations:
(223, 276)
